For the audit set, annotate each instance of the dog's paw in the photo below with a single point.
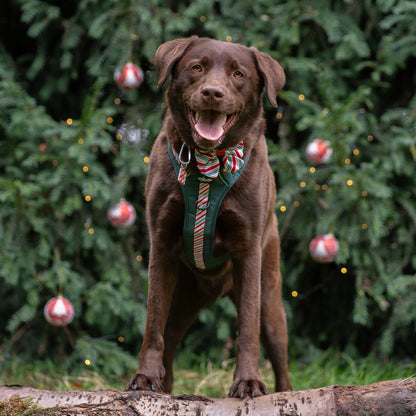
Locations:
(248, 388)
(141, 382)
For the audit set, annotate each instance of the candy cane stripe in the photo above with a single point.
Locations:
(199, 227)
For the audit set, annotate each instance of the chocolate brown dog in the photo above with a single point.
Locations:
(214, 107)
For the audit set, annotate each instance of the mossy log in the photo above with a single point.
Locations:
(397, 397)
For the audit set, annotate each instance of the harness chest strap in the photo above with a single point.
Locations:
(203, 194)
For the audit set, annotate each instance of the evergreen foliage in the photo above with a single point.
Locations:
(72, 144)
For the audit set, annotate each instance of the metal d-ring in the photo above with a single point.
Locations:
(183, 163)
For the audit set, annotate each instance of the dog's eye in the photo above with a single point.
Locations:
(197, 68)
(238, 74)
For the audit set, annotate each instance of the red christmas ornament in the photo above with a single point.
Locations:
(318, 151)
(59, 311)
(129, 77)
(42, 147)
(122, 214)
(324, 248)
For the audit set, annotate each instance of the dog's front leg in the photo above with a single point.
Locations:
(247, 287)
(162, 283)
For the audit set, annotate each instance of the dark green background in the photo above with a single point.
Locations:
(351, 71)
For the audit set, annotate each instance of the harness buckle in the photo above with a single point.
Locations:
(205, 179)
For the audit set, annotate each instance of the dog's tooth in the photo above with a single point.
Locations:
(197, 115)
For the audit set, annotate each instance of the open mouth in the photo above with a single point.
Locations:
(210, 124)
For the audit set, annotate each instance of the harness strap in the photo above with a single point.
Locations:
(203, 197)
(202, 205)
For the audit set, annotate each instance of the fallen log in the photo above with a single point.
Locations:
(395, 398)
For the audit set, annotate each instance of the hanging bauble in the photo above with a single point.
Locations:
(318, 151)
(42, 147)
(59, 311)
(129, 77)
(324, 248)
(122, 214)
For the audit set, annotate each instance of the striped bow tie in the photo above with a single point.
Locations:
(210, 161)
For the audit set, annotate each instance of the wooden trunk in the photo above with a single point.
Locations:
(386, 398)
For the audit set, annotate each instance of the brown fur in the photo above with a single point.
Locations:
(246, 225)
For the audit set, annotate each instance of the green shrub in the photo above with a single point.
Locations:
(72, 144)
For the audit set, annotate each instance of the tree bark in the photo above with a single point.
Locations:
(395, 398)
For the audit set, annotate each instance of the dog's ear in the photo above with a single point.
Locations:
(168, 54)
(272, 74)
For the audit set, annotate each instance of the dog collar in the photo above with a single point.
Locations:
(203, 194)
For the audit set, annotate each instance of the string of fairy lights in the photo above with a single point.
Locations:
(59, 311)
(319, 153)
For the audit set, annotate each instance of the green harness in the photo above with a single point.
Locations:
(216, 189)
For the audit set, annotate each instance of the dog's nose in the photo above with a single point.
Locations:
(212, 92)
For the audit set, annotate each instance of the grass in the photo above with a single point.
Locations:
(326, 368)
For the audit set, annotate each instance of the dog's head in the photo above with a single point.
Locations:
(214, 94)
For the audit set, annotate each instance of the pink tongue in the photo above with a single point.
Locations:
(210, 125)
